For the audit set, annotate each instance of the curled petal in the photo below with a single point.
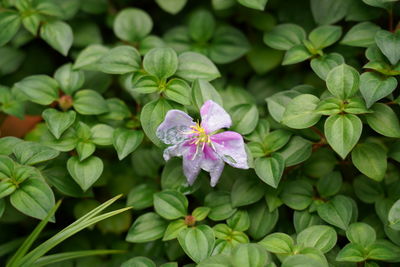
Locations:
(174, 128)
(230, 147)
(214, 117)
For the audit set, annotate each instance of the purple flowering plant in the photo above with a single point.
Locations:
(203, 145)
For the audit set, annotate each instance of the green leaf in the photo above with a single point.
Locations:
(324, 64)
(374, 86)
(138, 262)
(297, 195)
(394, 216)
(384, 250)
(296, 54)
(146, 84)
(328, 11)
(197, 242)
(200, 213)
(304, 219)
(58, 121)
(85, 173)
(10, 22)
(40, 89)
(321, 237)
(337, 212)
(300, 260)
(126, 141)
(270, 169)
(120, 60)
(262, 220)
(240, 221)
(246, 191)
(384, 120)
(296, 151)
(30, 153)
(278, 243)
(141, 196)
(201, 25)
(89, 102)
(69, 80)
(351, 252)
(161, 62)
(173, 229)
(102, 134)
(343, 81)
(263, 59)
(244, 118)
(152, 115)
(371, 160)
(202, 91)
(299, 113)
(227, 45)
(324, 36)
(367, 190)
(389, 44)
(330, 184)
(361, 233)
(255, 4)
(170, 204)
(277, 103)
(89, 56)
(249, 255)
(58, 35)
(172, 6)
(179, 91)
(85, 149)
(194, 66)
(285, 36)
(220, 204)
(342, 132)
(132, 24)
(7, 187)
(33, 198)
(361, 35)
(147, 227)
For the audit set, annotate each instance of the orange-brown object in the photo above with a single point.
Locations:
(13, 126)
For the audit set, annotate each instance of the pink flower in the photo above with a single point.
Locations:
(200, 146)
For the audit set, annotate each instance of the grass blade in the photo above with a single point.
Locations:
(73, 255)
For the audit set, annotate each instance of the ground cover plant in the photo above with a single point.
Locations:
(200, 133)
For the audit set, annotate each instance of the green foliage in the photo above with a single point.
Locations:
(311, 86)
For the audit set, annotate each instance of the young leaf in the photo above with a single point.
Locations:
(343, 132)
(343, 81)
(58, 121)
(85, 173)
(296, 54)
(58, 35)
(161, 62)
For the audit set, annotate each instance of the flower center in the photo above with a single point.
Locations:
(200, 134)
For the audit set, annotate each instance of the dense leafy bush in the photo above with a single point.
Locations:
(297, 129)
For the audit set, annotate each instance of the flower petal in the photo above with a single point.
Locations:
(191, 163)
(230, 147)
(214, 117)
(212, 163)
(172, 130)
